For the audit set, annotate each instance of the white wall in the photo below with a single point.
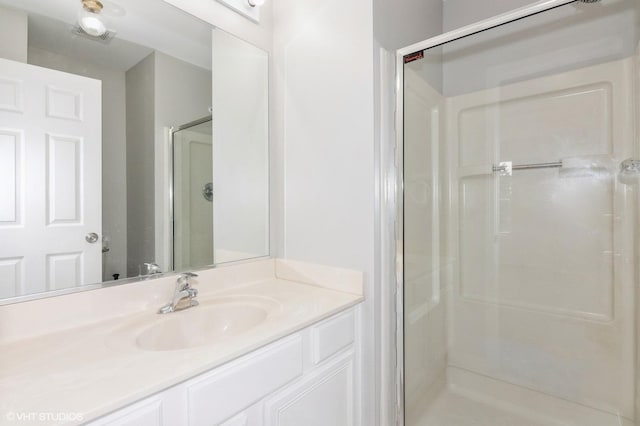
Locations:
(240, 148)
(114, 184)
(396, 24)
(323, 53)
(224, 18)
(13, 34)
(399, 23)
(458, 13)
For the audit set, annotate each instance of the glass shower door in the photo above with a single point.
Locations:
(519, 232)
(193, 196)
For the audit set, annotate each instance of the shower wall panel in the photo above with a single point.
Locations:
(425, 266)
(544, 292)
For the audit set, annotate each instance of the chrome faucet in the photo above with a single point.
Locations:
(151, 269)
(183, 291)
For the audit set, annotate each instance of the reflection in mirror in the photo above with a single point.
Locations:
(193, 195)
(240, 149)
(87, 115)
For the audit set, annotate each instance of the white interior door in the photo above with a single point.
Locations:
(50, 168)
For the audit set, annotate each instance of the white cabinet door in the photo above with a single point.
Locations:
(50, 169)
(216, 397)
(146, 413)
(322, 397)
(164, 409)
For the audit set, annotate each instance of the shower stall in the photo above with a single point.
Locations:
(518, 227)
(192, 195)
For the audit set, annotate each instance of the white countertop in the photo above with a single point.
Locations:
(98, 368)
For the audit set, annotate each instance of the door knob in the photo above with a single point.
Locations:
(91, 237)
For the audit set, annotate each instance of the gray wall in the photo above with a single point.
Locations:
(182, 95)
(162, 92)
(140, 165)
(13, 34)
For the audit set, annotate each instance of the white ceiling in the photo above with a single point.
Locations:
(141, 26)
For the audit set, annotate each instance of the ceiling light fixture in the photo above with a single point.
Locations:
(89, 18)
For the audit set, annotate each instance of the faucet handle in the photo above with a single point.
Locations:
(187, 275)
(151, 269)
(183, 279)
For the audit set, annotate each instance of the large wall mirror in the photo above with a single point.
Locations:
(133, 141)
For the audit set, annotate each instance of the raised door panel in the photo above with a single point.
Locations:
(11, 95)
(11, 169)
(64, 186)
(331, 336)
(11, 277)
(64, 270)
(65, 104)
(321, 398)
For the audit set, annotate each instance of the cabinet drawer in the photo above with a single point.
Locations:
(218, 396)
(332, 335)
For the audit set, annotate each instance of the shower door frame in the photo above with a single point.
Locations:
(487, 24)
(172, 133)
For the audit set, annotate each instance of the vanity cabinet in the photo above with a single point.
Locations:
(307, 378)
(165, 408)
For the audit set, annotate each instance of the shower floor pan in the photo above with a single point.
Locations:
(470, 399)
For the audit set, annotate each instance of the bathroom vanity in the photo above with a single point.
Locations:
(271, 342)
(309, 374)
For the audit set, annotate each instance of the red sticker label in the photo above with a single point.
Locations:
(414, 57)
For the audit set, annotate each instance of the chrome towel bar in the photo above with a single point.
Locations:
(507, 166)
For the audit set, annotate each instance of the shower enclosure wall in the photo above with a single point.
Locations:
(518, 233)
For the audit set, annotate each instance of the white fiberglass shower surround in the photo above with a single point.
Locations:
(517, 296)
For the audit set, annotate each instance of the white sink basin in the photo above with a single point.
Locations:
(207, 323)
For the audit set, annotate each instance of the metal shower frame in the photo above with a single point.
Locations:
(496, 21)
